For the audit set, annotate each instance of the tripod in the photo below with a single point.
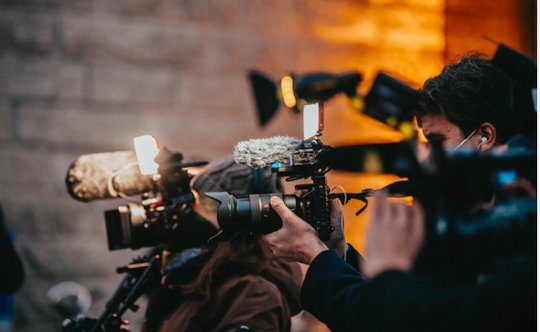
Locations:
(141, 274)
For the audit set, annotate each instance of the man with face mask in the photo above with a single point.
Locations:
(468, 106)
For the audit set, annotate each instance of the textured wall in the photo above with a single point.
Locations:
(469, 25)
(87, 76)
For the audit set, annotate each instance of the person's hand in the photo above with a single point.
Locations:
(394, 237)
(336, 241)
(296, 239)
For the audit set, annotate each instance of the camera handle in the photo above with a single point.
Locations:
(321, 193)
(127, 293)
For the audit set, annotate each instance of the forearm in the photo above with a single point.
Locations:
(340, 297)
(394, 300)
(328, 285)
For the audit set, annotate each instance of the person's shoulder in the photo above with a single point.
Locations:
(251, 283)
(254, 301)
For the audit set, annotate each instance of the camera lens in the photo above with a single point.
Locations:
(253, 214)
(123, 224)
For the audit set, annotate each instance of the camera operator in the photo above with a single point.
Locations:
(388, 297)
(235, 284)
(468, 105)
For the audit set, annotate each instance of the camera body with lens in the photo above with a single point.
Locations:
(157, 218)
(254, 213)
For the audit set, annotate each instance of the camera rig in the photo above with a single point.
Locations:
(157, 218)
(254, 213)
(142, 274)
(389, 101)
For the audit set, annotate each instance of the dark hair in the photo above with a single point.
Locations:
(470, 92)
(242, 255)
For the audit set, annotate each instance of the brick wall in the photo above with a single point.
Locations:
(87, 76)
(470, 23)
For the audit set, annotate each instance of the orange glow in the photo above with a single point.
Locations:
(421, 136)
(287, 91)
(436, 5)
(411, 35)
(408, 200)
(406, 39)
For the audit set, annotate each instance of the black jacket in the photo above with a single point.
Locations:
(337, 295)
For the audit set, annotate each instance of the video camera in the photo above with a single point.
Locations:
(295, 159)
(158, 174)
(255, 215)
(157, 219)
(454, 189)
(163, 179)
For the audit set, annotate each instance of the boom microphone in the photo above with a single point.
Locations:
(263, 152)
(106, 175)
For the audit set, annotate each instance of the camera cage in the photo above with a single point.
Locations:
(153, 220)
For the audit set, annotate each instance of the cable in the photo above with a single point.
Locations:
(342, 217)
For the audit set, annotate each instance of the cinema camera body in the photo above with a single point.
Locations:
(157, 218)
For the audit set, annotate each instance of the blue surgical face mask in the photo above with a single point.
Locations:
(464, 141)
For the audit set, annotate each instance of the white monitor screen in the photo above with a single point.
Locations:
(311, 120)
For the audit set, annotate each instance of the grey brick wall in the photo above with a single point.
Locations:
(87, 76)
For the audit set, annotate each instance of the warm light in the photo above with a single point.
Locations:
(407, 129)
(287, 91)
(391, 121)
(358, 103)
(193, 171)
(406, 37)
(421, 136)
(373, 163)
(407, 200)
(146, 149)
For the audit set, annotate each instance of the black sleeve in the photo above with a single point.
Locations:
(12, 275)
(353, 257)
(397, 301)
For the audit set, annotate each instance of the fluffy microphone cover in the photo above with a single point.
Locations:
(87, 177)
(264, 152)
